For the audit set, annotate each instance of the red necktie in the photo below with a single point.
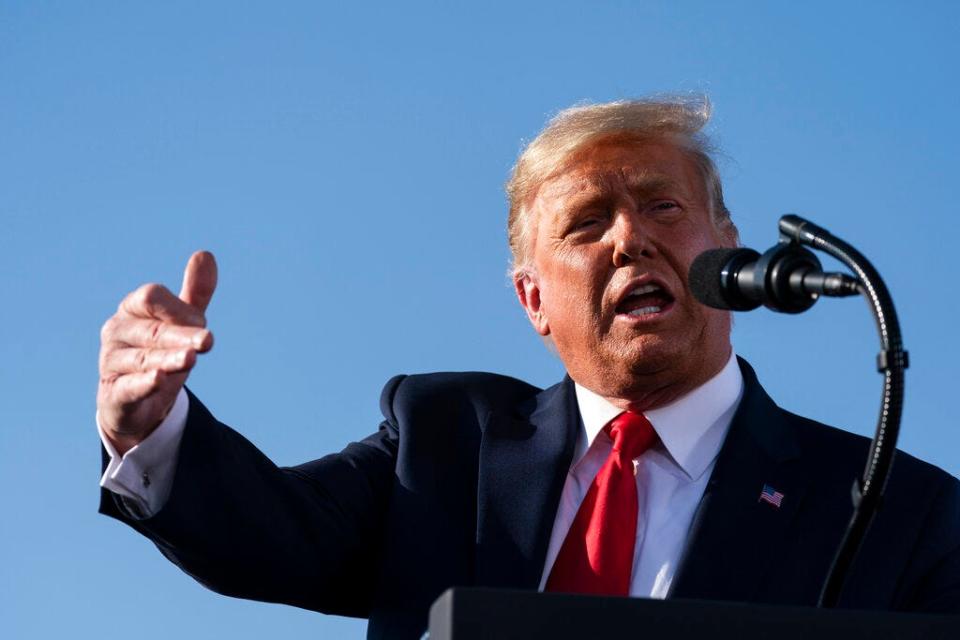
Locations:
(597, 554)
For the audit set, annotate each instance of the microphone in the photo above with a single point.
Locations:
(787, 278)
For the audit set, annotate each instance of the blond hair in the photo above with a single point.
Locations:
(678, 119)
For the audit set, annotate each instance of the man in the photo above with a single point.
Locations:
(658, 468)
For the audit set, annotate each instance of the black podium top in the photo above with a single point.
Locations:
(471, 614)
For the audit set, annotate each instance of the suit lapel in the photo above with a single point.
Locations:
(735, 535)
(524, 459)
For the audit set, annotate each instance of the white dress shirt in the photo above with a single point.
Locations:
(143, 476)
(671, 476)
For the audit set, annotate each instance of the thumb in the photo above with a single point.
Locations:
(199, 280)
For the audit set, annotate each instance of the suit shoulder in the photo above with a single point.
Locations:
(477, 389)
(843, 445)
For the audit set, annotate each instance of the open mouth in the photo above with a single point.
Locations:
(645, 300)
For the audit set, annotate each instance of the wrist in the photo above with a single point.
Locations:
(121, 442)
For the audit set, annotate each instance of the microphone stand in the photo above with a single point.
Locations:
(892, 361)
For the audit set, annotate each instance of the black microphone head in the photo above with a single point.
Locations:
(712, 278)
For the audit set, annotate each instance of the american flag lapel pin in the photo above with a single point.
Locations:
(771, 496)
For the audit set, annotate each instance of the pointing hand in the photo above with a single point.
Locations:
(147, 349)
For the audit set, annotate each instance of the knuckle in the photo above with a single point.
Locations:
(155, 331)
(108, 329)
(142, 359)
(103, 361)
(126, 302)
(135, 297)
(148, 296)
(149, 293)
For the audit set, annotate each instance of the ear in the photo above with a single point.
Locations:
(528, 293)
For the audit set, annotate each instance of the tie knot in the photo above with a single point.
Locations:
(632, 434)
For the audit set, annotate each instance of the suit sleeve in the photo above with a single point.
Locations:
(308, 536)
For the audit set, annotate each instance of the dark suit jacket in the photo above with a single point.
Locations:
(461, 484)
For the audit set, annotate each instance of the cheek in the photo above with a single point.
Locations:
(572, 297)
(717, 323)
(682, 250)
(568, 275)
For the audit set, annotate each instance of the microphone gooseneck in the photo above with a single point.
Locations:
(892, 362)
(788, 278)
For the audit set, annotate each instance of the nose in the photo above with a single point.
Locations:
(630, 240)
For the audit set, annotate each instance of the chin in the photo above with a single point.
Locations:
(640, 367)
(651, 354)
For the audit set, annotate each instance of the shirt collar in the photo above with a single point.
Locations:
(691, 428)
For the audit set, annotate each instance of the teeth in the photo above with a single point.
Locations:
(647, 288)
(644, 311)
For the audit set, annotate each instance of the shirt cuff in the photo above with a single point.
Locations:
(143, 476)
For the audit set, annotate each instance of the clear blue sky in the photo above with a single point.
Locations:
(346, 167)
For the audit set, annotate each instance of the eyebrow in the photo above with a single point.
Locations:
(646, 181)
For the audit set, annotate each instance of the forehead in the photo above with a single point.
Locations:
(635, 165)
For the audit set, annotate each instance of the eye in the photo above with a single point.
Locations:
(665, 205)
(588, 221)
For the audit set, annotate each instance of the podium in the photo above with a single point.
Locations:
(488, 614)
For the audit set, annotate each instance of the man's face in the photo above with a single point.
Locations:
(613, 237)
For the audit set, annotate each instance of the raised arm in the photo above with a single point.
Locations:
(309, 536)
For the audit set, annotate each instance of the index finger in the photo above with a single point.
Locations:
(156, 302)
